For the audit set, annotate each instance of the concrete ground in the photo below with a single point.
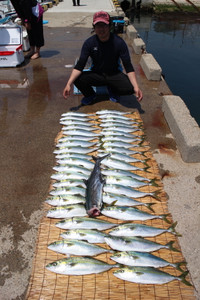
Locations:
(31, 104)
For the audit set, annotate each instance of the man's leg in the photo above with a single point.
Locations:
(88, 79)
(119, 84)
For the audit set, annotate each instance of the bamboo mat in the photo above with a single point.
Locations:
(46, 285)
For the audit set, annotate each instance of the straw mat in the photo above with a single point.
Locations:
(46, 285)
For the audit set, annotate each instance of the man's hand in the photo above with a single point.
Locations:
(74, 75)
(138, 95)
(66, 91)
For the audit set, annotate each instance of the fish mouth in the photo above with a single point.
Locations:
(94, 212)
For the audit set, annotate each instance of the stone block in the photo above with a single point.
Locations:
(138, 45)
(183, 127)
(131, 32)
(150, 67)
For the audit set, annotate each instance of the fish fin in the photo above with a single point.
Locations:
(103, 157)
(94, 158)
(164, 217)
(148, 205)
(114, 202)
(170, 246)
(177, 265)
(85, 181)
(182, 278)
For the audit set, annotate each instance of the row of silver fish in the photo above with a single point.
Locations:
(115, 184)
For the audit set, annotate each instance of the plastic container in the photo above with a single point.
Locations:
(11, 47)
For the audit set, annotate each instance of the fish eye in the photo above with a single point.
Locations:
(54, 264)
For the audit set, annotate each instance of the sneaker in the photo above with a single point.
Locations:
(88, 100)
(112, 97)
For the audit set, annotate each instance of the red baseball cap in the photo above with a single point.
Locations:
(101, 16)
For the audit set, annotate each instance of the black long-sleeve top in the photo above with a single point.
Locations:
(105, 56)
(24, 8)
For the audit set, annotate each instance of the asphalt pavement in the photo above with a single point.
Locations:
(31, 105)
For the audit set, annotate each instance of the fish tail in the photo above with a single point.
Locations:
(146, 169)
(99, 159)
(148, 205)
(155, 195)
(172, 229)
(145, 162)
(153, 182)
(164, 217)
(182, 278)
(177, 265)
(170, 246)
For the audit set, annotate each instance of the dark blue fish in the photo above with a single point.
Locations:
(94, 189)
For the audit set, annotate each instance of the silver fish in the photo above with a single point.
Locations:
(112, 112)
(81, 132)
(124, 130)
(60, 201)
(76, 118)
(89, 235)
(77, 162)
(63, 121)
(119, 124)
(147, 275)
(126, 181)
(78, 127)
(79, 266)
(76, 247)
(128, 158)
(75, 143)
(85, 223)
(69, 183)
(114, 199)
(67, 211)
(129, 214)
(75, 150)
(135, 244)
(126, 191)
(118, 138)
(77, 114)
(114, 126)
(71, 168)
(117, 133)
(120, 144)
(69, 175)
(142, 259)
(121, 173)
(120, 150)
(94, 189)
(76, 137)
(121, 165)
(74, 190)
(130, 229)
(73, 155)
(110, 116)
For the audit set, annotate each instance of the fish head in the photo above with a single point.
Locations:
(94, 212)
(57, 266)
